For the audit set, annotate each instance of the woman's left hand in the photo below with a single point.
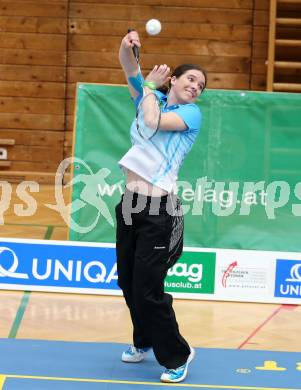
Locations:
(159, 75)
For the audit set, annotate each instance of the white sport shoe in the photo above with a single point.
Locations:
(178, 374)
(134, 355)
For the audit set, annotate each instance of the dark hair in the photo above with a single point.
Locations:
(180, 70)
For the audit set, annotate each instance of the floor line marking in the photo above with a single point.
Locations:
(49, 232)
(19, 315)
(256, 330)
(87, 380)
(2, 380)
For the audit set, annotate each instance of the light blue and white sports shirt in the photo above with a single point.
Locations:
(159, 159)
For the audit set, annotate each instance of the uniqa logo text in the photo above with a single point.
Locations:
(93, 271)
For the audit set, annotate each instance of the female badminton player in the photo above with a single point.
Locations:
(149, 236)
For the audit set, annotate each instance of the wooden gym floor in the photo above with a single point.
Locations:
(72, 317)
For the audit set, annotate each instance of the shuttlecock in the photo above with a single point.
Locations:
(153, 27)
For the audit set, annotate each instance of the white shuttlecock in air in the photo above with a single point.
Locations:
(153, 27)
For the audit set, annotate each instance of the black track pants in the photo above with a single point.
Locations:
(147, 246)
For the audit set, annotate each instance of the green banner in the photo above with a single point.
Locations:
(193, 273)
(240, 185)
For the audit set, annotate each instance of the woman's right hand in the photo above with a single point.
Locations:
(159, 75)
(130, 40)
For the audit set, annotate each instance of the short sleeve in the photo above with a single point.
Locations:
(191, 115)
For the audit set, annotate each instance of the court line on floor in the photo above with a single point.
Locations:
(24, 302)
(19, 315)
(87, 380)
(49, 232)
(2, 380)
(259, 327)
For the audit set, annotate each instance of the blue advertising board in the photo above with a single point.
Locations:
(58, 266)
(288, 278)
(200, 273)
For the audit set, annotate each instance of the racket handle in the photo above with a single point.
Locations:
(135, 48)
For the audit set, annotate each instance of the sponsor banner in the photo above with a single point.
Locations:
(57, 266)
(249, 276)
(200, 273)
(239, 275)
(288, 279)
(194, 273)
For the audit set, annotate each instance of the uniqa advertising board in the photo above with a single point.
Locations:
(206, 273)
